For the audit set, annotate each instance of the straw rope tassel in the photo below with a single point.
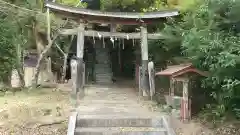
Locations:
(112, 39)
(104, 43)
(94, 38)
(123, 44)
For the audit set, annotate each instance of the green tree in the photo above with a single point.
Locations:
(209, 37)
(6, 50)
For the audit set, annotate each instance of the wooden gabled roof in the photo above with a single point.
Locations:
(95, 15)
(178, 70)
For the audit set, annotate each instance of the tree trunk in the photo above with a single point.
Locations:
(64, 68)
(40, 60)
(65, 61)
(21, 77)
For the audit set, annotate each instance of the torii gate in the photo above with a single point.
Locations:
(83, 16)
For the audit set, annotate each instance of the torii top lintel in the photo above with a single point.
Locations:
(94, 16)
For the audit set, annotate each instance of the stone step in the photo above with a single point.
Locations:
(99, 73)
(107, 69)
(104, 113)
(123, 121)
(103, 68)
(101, 58)
(102, 53)
(103, 78)
(107, 72)
(102, 62)
(120, 131)
(104, 82)
(101, 50)
(104, 75)
(102, 65)
(112, 102)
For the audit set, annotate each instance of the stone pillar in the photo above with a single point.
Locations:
(144, 71)
(74, 76)
(151, 74)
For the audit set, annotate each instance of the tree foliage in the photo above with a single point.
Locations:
(74, 3)
(6, 49)
(208, 35)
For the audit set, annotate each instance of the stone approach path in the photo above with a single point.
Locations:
(114, 100)
(107, 109)
(122, 100)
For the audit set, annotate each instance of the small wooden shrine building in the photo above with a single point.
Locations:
(85, 17)
(181, 73)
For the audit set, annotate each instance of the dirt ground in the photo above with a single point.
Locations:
(46, 111)
(38, 112)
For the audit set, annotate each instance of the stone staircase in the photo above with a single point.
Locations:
(103, 70)
(116, 125)
(115, 111)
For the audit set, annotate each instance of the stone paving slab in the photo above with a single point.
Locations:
(104, 110)
(113, 100)
(120, 131)
(118, 121)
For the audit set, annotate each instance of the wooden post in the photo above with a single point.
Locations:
(144, 52)
(172, 82)
(80, 52)
(113, 27)
(185, 102)
(80, 41)
(139, 82)
(48, 26)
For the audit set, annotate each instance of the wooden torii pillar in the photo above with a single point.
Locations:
(80, 53)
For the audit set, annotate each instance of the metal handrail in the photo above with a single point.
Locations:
(84, 74)
(166, 124)
(72, 123)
